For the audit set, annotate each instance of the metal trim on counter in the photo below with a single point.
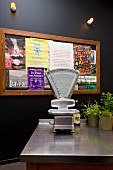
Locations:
(86, 145)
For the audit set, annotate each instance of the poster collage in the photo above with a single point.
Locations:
(28, 59)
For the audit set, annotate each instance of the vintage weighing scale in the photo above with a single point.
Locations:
(62, 82)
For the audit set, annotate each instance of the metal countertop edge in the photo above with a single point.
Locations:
(67, 159)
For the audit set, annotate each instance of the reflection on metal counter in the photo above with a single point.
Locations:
(62, 82)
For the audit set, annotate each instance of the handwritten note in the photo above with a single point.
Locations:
(61, 55)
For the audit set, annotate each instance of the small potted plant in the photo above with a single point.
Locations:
(91, 112)
(105, 122)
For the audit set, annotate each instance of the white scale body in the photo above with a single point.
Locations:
(62, 82)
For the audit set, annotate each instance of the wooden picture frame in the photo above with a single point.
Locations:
(4, 32)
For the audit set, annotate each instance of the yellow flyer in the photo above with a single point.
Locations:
(37, 53)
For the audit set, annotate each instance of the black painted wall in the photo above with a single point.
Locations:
(19, 115)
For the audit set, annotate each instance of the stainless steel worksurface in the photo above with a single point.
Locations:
(86, 144)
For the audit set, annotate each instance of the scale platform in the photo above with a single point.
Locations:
(62, 82)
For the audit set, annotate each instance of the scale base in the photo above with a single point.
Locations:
(63, 123)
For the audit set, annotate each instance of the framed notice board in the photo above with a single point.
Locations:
(26, 56)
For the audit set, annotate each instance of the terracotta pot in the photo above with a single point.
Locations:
(112, 121)
(93, 120)
(105, 123)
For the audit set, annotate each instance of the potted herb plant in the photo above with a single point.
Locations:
(105, 121)
(106, 100)
(91, 112)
